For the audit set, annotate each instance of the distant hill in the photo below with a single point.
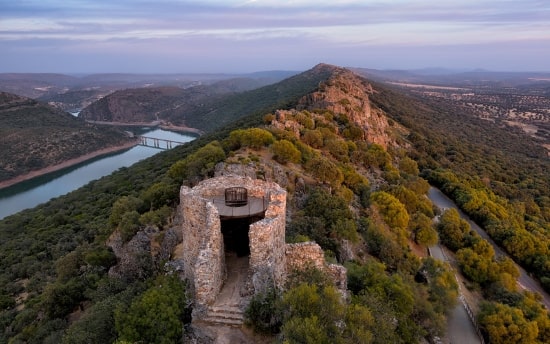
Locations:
(50, 87)
(435, 76)
(36, 135)
(203, 107)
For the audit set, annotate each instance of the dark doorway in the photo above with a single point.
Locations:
(235, 236)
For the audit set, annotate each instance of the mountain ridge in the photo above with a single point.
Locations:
(202, 107)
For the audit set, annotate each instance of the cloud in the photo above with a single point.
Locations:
(232, 26)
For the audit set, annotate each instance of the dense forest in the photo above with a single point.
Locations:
(364, 203)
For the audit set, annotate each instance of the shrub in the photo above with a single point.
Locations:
(254, 138)
(156, 316)
(264, 313)
(284, 151)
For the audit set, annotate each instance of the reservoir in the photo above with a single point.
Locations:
(31, 193)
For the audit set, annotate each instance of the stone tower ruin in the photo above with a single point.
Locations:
(211, 228)
(239, 220)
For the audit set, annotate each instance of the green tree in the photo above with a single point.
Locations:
(264, 312)
(305, 330)
(423, 230)
(325, 171)
(408, 166)
(313, 138)
(199, 164)
(359, 321)
(477, 268)
(156, 316)
(254, 138)
(60, 299)
(284, 151)
(452, 229)
(377, 156)
(161, 194)
(392, 210)
(313, 314)
(353, 180)
(503, 324)
(338, 149)
(123, 205)
(333, 212)
(159, 217)
(129, 225)
(442, 284)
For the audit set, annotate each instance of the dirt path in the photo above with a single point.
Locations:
(68, 163)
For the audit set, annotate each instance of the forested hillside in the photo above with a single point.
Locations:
(351, 157)
(202, 107)
(36, 135)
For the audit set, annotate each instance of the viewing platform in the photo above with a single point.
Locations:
(235, 204)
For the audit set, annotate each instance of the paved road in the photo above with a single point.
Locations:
(525, 281)
(460, 328)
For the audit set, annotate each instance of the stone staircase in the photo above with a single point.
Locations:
(229, 315)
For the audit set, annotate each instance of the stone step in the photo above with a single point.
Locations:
(223, 321)
(226, 308)
(226, 315)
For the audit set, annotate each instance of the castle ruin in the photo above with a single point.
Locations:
(233, 221)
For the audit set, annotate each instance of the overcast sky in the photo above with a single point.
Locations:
(151, 36)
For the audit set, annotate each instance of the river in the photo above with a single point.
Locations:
(31, 193)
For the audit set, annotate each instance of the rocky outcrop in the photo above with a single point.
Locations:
(145, 250)
(134, 257)
(348, 94)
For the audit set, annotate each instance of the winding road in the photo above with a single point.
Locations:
(525, 281)
(460, 329)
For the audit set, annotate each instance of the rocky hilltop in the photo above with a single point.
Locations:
(36, 136)
(347, 93)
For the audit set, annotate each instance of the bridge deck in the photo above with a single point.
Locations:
(158, 143)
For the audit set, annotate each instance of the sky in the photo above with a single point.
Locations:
(240, 36)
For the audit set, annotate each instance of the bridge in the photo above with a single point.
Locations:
(158, 143)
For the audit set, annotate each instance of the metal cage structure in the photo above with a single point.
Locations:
(236, 196)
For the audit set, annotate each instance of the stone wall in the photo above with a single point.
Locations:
(267, 244)
(304, 255)
(203, 254)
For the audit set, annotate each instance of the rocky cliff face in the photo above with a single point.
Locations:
(348, 94)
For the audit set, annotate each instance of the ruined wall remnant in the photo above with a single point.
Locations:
(203, 255)
(304, 255)
(267, 245)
